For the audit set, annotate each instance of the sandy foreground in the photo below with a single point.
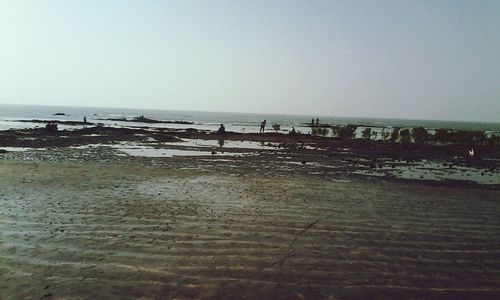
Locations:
(72, 230)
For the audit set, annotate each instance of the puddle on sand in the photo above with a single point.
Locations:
(225, 144)
(134, 149)
(307, 147)
(429, 170)
(21, 149)
(340, 180)
(239, 144)
(306, 163)
(219, 160)
(152, 152)
(88, 146)
(137, 149)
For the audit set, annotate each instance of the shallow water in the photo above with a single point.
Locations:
(135, 149)
(423, 170)
(21, 149)
(226, 144)
(437, 171)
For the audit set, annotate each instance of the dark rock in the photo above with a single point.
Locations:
(55, 121)
(142, 119)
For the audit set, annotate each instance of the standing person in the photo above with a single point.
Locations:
(312, 122)
(262, 126)
(317, 121)
(85, 120)
(222, 129)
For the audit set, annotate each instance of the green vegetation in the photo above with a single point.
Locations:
(420, 135)
(385, 135)
(345, 132)
(367, 132)
(394, 135)
(445, 136)
(320, 131)
(416, 135)
(404, 136)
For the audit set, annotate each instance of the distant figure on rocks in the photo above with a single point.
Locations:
(85, 120)
(222, 129)
(292, 131)
(312, 122)
(262, 126)
(317, 121)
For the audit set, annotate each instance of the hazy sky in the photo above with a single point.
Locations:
(403, 59)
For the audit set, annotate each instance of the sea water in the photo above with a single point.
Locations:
(238, 122)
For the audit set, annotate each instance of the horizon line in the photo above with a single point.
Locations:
(259, 113)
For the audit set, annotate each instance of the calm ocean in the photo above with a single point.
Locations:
(240, 122)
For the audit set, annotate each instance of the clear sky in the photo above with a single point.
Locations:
(401, 59)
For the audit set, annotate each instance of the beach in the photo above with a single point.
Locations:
(85, 223)
(275, 150)
(148, 212)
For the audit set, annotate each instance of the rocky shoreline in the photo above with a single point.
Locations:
(316, 154)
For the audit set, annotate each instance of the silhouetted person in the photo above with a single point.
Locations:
(84, 120)
(317, 121)
(52, 127)
(262, 126)
(312, 122)
(222, 129)
(292, 131)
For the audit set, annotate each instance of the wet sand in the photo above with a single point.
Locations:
(136, 230)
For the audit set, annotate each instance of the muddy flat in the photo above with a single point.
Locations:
(74, 230)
